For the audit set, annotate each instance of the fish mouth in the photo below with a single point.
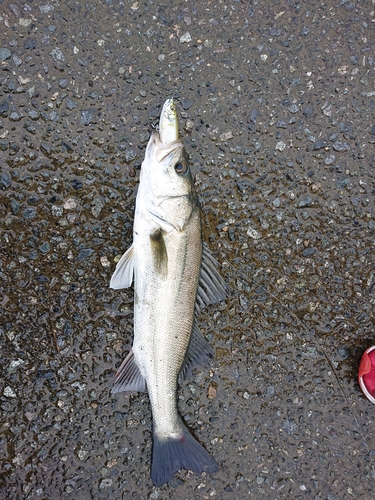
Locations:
(168, 123)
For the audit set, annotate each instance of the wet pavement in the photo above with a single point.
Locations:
(276, 102)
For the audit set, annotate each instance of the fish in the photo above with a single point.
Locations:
(175, 276)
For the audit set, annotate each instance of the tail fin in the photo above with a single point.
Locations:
(170, 455)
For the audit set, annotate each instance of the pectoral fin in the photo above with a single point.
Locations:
(159, 253)
(123, 275)
(212, 288)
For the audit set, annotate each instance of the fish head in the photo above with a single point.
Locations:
(166, 184)
(166, 187)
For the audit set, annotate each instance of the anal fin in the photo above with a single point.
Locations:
(128, 376)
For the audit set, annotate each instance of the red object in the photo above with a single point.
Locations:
(366, 374)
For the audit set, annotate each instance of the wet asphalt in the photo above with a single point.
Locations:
(276, 102)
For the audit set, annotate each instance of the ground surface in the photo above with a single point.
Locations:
(276, 101)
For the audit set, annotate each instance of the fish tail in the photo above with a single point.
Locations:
(172, 454)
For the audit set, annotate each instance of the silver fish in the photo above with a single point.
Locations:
(174, 276)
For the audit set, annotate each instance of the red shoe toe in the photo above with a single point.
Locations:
(366, 374)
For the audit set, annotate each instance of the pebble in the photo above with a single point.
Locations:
(15, 117)
(305, 201)
(57, 211)
(70, 104)
(29, 213)
(45, 9)
(226, 136)
(17, 60)
(57, 55)
(97, 206)
(4, 54)
(328, 160)
(33, 114)
(70, 204)
(9, 392)
(308, 252)
(280, 146)
(105, 262)
(185, 38)
(84, 253)
(87, 116)
(253, 233)
(5, 180)
(341, 146)
(294, 108)
(63, 83)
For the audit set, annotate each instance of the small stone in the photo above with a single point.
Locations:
(97, 206)
(341, 146)
(57, 211)
(29, 213)
(44, 247)
(280, 146)
(105, 483)
(185, 38)
(211, 392)
(70, 204)
(305, 201)
(327, 109)
(4, 54)
(87, 116)
(84, 253)
(70, 104)
(45, 9)
(63, 83)
(161, 57)
(105, 262)
(15, 117)
(328, 160)
(189, 125)
(276, 202)
(33, 114)
(57, 55)
(5, 180)
(253, 233)
(294, 108)
(4, 108)
(82, 454)
(226, 136)
(30, 43)
(17, 60)
(24, 21)
(130, 155)
(308, 252)
(322, 143)
(9, 392)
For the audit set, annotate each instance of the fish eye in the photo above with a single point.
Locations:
(181, 168)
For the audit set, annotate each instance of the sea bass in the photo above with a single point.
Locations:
(174, 277)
